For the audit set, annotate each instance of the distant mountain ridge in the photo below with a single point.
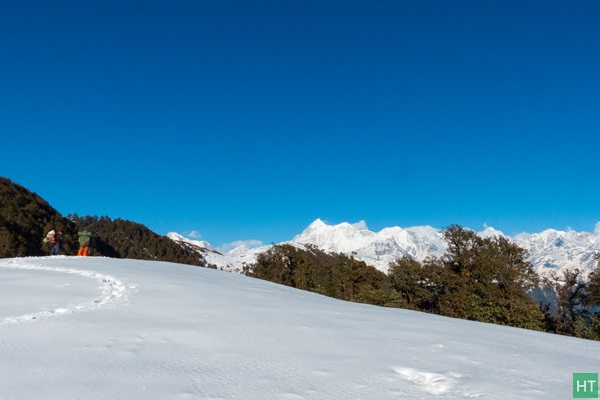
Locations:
(25, 218)
(375, 248)
(560, 250)
(550, 250)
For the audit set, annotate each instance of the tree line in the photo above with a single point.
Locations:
(479, 279)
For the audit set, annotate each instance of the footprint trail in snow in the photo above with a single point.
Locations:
(111, 291)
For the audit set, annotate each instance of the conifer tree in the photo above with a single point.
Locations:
(572, 311)
(335, 275)
(483, 279)
(413, 282)
(594, 286)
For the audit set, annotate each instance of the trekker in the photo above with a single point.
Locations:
(56, 241)
(84, 243)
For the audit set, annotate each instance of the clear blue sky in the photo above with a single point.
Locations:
(247, 120)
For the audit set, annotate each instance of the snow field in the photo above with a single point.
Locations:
(111, 290)
(97, 328)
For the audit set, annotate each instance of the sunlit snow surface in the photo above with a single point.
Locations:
(98, 328)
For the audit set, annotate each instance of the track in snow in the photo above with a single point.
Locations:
(111, 291)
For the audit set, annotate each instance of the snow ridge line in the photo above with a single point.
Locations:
(112, 289)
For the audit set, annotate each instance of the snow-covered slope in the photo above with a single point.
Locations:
(99, 328)
(549, 250)
(212, 257)
(233, 261)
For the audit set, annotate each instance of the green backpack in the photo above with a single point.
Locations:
(84, 238)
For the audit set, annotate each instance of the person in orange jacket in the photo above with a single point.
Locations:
(55, 238)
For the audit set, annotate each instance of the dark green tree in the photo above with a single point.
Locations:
(586, 305)
(334, 275)
(483, 279)
(593, 299)
(491, 280)
(415, 283)
(572, 294)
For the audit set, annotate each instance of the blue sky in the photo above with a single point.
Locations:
(247, 120)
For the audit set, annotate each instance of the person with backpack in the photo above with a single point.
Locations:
(56, 239)
(84, 243)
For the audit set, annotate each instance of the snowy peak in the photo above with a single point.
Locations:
(550, 250)
(490, 232)
(200, 244)
(553, 250)
(375, 248)
(315, 225)
(213, 258)
(341, 238)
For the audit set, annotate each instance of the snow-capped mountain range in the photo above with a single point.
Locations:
(550, 250)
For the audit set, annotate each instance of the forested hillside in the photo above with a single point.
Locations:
(331, 274)
(25, 218)
(480, 279)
